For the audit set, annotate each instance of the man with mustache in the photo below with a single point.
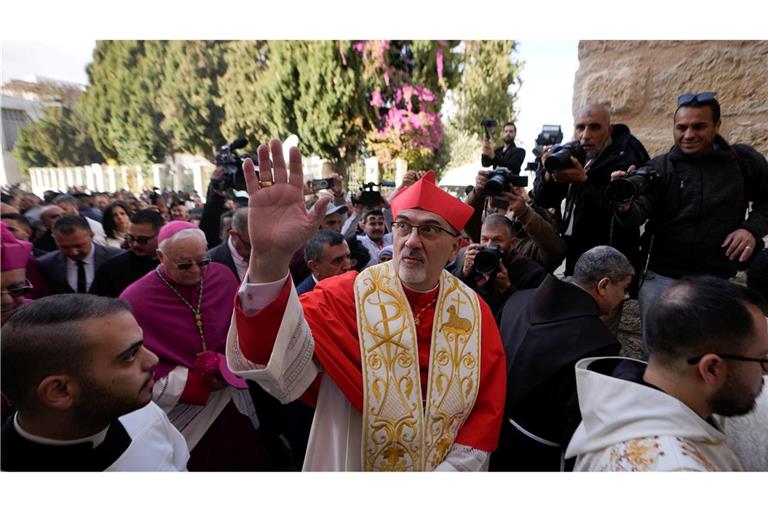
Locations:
(76, 369)
(403, 362)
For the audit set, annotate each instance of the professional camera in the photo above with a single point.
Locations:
(370, 197)
(232, 162)
(620, 192)
(501, 179)
(550, 134)
(487, 259)
(488, 123)
(560, 157)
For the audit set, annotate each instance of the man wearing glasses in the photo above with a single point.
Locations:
(116, 274)
(184, 307)
(14, 285)
(403, 362)
(695, 198)
(708, 341)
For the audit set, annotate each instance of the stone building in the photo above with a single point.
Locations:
(640, 81)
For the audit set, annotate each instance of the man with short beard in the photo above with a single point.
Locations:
(403, 362)
(77, 370)
(708, 341)
(376, 236)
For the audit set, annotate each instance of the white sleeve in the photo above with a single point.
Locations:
(291, 367)
(255, 296)
(465, 458)
(167, 391)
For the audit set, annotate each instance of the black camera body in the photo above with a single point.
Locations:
(501, 179)
(620, 192)
(487, 259)
(550, 135)
(232, 162)
(488, 123)
(560, 157)
(369, 197)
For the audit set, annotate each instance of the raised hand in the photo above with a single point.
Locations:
(278, 220)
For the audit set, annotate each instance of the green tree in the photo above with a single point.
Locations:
(124, 115)
(246, 62)
(489, 83)
(60, 138)
(408, 81)
(192, 118)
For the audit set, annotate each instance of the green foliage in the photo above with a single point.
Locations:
(487, 75)
(246, 62)
(407, 82)
(187, 99)
(124, 114)
(59, 139)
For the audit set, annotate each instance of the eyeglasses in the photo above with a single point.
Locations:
(141, 240)
(186, 266)
(702, 97)
(426, 231)
(763, 361)
(19, 290)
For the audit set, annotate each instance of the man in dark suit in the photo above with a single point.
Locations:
(72, 268)
(118, 273)
(327, 254)
(236, 249)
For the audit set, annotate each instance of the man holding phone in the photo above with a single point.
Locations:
(508, 155)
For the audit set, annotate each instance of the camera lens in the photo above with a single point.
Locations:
(487, 259)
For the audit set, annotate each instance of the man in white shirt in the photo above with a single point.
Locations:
(72, 268)
(376, 237)
(81, 379)
(69, 204)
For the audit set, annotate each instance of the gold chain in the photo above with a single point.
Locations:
(417, 318)
(195, 311)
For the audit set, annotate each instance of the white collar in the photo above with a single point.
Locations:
(95, 440)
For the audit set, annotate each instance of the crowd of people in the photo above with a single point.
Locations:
(283, 328)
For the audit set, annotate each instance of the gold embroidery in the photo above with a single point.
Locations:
(398, 433)
(636, 454)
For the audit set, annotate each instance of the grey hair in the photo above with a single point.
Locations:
(599, 262)
(182, 235)
(240, 220)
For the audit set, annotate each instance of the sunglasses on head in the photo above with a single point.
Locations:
(19, 290)
(690, 98)
(186, 266)
(141, 240)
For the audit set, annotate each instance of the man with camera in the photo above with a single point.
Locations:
(579, 172)
(508, 155)
(493, 268)
(695, 198)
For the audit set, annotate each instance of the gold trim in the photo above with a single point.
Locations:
(398, 434)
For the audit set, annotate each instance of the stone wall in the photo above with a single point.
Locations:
(639, 81)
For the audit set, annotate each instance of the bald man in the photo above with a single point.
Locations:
(587, 214)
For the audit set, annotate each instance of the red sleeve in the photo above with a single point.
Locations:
(256, 334)
(481, 430)
(195, 391)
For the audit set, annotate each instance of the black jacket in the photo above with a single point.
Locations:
(545, 332)
(696, 202)
(221, 254)
(512, 158)
(524, 273)
(592, 213)
(53, 267)
(118, 273)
